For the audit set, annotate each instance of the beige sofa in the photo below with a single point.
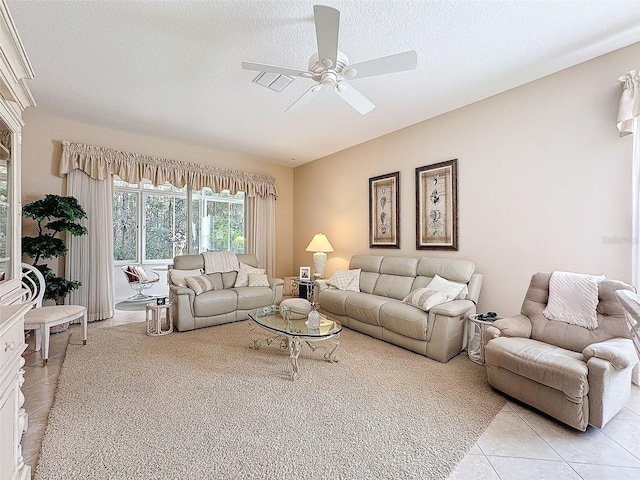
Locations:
(224, 304)
(576, 375)
(378, 310)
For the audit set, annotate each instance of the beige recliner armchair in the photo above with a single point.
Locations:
(578, 376)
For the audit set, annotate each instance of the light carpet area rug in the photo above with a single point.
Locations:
(203, 405)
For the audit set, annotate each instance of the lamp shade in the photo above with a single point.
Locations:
(319, 243)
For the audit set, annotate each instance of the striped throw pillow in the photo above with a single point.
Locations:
(425, 298)
(200, 284)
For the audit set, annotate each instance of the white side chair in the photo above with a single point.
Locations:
(40, 319)
(140, 280)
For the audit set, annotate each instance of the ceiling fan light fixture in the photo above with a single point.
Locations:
(350, 72)
(273, 81)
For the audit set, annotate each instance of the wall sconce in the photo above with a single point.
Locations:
(319, 245)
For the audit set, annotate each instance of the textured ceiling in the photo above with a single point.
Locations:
(172, 68)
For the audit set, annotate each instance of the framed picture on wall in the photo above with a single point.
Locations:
(305, 273)
(384, 211)
(437, 206)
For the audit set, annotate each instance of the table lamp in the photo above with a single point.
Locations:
(319, 245)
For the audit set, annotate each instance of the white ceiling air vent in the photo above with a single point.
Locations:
(274, 81)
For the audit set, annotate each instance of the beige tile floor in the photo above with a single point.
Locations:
(519, 444)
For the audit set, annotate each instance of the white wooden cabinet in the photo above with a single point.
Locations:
(13, 418)
(15, 96)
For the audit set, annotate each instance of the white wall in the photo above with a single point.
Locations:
(543, 179)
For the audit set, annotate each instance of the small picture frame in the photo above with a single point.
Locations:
(305, 273)
(161, 301)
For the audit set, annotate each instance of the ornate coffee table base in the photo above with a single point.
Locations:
(294, 345)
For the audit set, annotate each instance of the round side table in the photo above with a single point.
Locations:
(157, 322)
(477, 337)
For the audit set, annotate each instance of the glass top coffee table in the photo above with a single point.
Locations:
(292, 333)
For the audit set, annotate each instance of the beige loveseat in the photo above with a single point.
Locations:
(224, 304)
(577, 375)
(377, 309)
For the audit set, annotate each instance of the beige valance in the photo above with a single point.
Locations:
(100, 163)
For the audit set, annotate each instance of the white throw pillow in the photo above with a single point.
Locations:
(425, 298)
(258, 280)
(452, 290)
(178, 276)
(573, 299)
(345, 280)
(200, 284)
(242, 280)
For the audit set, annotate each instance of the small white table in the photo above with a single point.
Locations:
(477, 337)
(157, 323)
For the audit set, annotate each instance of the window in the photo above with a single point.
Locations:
(215, 222)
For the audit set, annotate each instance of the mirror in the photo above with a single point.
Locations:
(6, 231)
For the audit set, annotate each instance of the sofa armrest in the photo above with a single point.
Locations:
(182, 299)
(453, 308)
(176, 290)
(617, 351)
(515, 326)
(273, 282)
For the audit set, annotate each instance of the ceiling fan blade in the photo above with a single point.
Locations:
(327, 23)
(353, 97)
(263, 67)
(305, 98)
(379, 66)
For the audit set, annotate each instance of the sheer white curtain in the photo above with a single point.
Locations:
(90, 257)
(261, 231)
(629, 123)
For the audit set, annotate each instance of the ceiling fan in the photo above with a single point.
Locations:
(330, 68)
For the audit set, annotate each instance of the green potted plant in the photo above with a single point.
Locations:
(54, 214)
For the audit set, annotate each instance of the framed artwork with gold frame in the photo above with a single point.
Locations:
(384, 211)
(437, 206)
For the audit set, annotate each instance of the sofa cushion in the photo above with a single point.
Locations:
(253, 297)
(215, 302)
(368, 281)
(177, 277)
(365, 307)
(393, 286)
(401, 266)
(404, 319)
(334, 301)
(543, 363)
(370, 270)
(200, 284)
(454, 270)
